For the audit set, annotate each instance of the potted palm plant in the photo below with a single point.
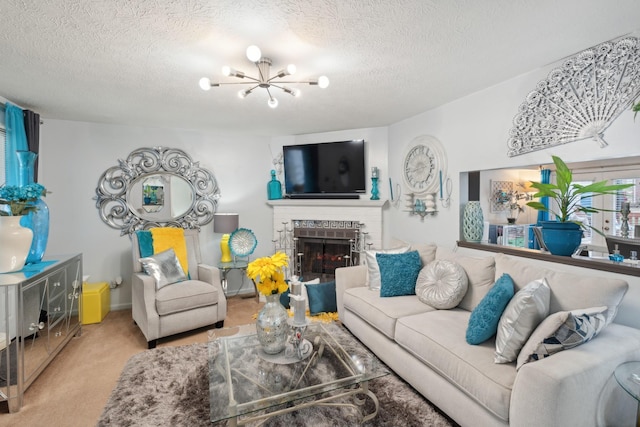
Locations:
(563, 236)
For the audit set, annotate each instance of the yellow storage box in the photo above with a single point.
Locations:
(96, 300)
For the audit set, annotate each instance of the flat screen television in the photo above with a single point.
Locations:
(328, 169)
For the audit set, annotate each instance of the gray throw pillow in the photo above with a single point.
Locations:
(523, 314)
(442, 284)
(562, 331)
(164, 267)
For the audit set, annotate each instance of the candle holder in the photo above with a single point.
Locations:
(299, 347)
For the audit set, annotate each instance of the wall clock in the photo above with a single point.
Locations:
(424, 161)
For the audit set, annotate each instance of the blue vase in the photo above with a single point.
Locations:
(274, 188)
(561, 238)
(37, 220)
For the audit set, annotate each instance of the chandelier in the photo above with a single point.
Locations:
(264, 79)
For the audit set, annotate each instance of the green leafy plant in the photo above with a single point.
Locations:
(635, 110)
(569, 197)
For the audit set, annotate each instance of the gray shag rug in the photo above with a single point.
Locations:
(170, 386)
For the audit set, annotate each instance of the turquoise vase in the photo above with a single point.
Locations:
(274, 188)
(472, 222)
(37, 220)
(561, 238)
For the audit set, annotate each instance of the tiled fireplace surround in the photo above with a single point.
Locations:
(331, 214)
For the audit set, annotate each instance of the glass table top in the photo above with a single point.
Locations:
(243, 380)
(628, 376)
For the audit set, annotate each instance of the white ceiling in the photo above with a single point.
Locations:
(139, 61)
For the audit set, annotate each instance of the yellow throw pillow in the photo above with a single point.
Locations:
(169, 237)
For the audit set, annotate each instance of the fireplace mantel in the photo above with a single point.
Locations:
(329, 203)
(364, 211)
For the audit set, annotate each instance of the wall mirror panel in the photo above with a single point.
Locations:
(616, 171)
(156, 187)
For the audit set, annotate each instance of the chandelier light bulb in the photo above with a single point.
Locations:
(323, 82)
(272, 102)
(244, 93)
(205, 83)
(291, 69)
(226, 70)
(253, 53)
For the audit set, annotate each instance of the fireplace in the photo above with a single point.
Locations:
(323, 246)
(330, 221)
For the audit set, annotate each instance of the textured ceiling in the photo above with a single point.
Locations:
(139, 62)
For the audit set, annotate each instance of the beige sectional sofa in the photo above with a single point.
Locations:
(427, 348)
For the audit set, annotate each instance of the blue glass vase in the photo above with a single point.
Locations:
(274, 188)
(38, 219)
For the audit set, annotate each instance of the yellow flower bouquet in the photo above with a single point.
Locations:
(268, 273)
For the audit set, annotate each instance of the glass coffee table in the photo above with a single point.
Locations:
(248, 385)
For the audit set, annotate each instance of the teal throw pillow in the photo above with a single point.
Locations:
(483, 323)
(322, 298)
(284, 299)
(398, 273)
(145, 243)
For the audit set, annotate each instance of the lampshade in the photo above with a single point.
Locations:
(225, 222)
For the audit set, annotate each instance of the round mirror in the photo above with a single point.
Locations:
(160, 196)
(156, 187)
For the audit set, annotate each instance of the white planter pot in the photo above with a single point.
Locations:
(16, 242)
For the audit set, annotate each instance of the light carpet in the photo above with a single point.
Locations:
(170, 386)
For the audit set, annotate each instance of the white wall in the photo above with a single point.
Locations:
(75, 154)
(474, 131)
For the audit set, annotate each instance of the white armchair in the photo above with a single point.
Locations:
(191, 304)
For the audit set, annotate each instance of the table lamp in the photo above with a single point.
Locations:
(225, 223)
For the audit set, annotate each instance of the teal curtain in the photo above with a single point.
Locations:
(16, 141)
(545, 178)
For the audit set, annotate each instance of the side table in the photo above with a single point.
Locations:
(628, 377)
(241, 265)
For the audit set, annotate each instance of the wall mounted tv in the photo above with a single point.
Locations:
(325, 170)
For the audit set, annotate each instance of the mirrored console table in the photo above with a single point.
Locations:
(39, 315)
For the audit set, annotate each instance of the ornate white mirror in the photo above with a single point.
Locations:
(156, 187)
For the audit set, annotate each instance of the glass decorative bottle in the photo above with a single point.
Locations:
(375, 195)
(272, 326)
(37, 220)
(274, 188)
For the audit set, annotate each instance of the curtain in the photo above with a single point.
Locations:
(16, 141)
(32, 130)
(545, 178)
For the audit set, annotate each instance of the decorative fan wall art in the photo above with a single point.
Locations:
(579, 100)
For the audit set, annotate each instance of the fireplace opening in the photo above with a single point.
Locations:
(321, 246)
(321, 257)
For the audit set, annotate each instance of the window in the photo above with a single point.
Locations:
(610, 222)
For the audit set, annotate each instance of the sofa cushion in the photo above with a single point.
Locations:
(442, 284)
(568, 291)
(562, 331)
(398, 273)
(373, 271)
(523, 314)
(437, 338)
(481, 273)
(381, 313)
(188, 295)
(483, 322)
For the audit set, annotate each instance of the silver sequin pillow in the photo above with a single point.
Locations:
(164, 267)
(442, 284)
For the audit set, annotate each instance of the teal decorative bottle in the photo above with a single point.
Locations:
(37, 220)
(375, 195)
(274, 188)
